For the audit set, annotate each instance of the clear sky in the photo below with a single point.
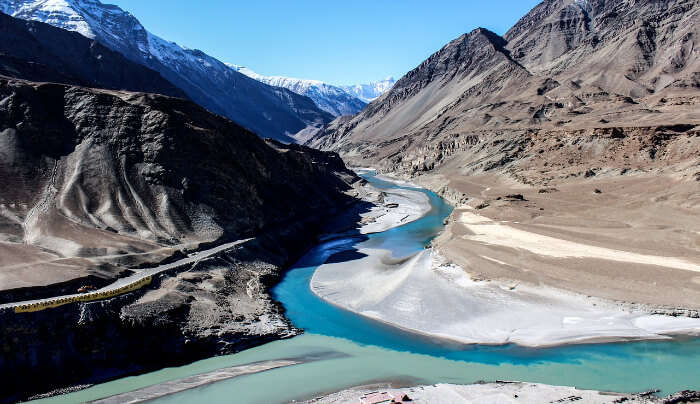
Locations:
(337, 41)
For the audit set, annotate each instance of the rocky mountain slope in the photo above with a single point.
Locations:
(329, 98)
(369, 92)
(97, 180)
(566, 65)
(36, 51)
(98, 183)
(268, 111)
(582, 123)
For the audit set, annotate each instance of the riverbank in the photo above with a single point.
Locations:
(173, 387)
(334, 364)
(499, 392)
(633, 239)
(366, 351)
(423, 293)
(209, 305)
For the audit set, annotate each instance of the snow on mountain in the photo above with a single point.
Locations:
(54, 12)
(329, 98)
(370, 91)
(269, 111)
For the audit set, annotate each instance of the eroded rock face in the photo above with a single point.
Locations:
(95, 181)
(645, 45)
(552, 156)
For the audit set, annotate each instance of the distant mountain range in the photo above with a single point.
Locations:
(269, 111)
(336, 100)
(332, 99)
(370, 91)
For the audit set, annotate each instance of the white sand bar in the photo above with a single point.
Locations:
(501, 393)
(399, 206)
(490, 232)
(419, 295)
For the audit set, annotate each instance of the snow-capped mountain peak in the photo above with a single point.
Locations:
(370, 91)
(95, 20)
(277, 79)
(268, 111)
(329, 98)
(53, 12)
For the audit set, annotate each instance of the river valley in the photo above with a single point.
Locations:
(341, 349)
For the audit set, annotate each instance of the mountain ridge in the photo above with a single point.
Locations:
(332, 99)
(447, 77)
(520, 82)
(268, 111)
(37, 51)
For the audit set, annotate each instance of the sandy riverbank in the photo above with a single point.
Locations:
(633, 239)
(423, 294)
(499, 392)
(418, 293)
(391, 208)
(172, 387)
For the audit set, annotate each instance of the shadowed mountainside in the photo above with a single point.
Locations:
(35, 51)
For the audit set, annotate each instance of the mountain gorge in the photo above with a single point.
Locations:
(269, 111)
(158, 207)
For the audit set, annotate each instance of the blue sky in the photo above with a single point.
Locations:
(340, 42)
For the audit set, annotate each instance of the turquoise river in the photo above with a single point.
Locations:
(350, 350)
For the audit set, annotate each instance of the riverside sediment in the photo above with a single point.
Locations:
(413, 292)
(504, 392)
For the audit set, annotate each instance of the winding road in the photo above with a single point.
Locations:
(133, 282)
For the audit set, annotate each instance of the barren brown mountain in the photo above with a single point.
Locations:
(97, 184)
(96, 181)
(578, 129)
